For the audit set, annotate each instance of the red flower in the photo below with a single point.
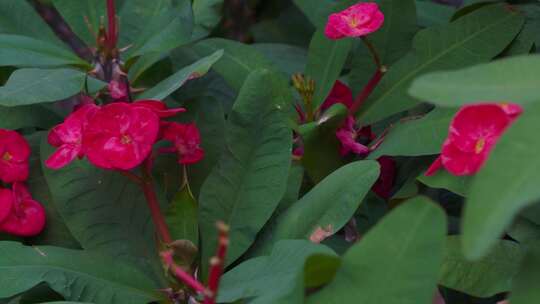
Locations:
(158, 107)
(340, 93)
(120, 136)
(27, 217)
(385, 183)
(186, 140)
(474, 131)
(6, 203)
(67, 136)
(356, 21)
(347, 135)
(14, 154)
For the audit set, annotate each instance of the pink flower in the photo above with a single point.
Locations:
(385, 183)
(158, 107)
(356, 21)
(120, 136)
(118, 89)
(347, 135)
(67, 136)
(340, 93)
(186, 140)
(6, 203)
(14, 155)
(27, 217)
(474, 131)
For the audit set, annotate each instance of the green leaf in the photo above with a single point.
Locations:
(396, 262)
(206, 15)
(317, 14)
(289, 59)
(181, 216)
(33, 116)
(505, 185)
(392, 41)
(83, 17)
(73, 274)
(328, 206)
(524, 289)
(484, 278)
(524, 230)
(475, 38)
(238, 61)
(19, 18)
(175, 81)
(325, 61)
(246, 186)
(29, 52)
(105, 212)
(281, 269)
(514, 79)
(417, 137)
(433, 14)
(444, 180)
(31, 86)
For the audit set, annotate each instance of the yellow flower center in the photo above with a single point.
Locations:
(7, 156)
(126, 140)
(480, 144)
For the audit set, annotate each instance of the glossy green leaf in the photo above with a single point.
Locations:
(328, 206)
(514, 79)
(505, 185)
(396, 262)
(524, 289)
(325, 61)
(444, 180)
(280, 270)
(475, 38)
(175, 81)
(31, 86)
(105, 212)
(392, 41)
(29, 52)
(181, 216)
(74, 274)
(250, 179)
(484, 278)
(416, 137)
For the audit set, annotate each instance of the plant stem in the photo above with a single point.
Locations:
(153, 204)
(366, 92)
(217, 262)
(112, 31)
(374, 53)
(185, 277)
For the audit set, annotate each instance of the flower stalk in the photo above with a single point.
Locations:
(366, 91)
(217, 262)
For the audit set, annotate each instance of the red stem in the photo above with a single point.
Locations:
(111, 15)
(368, 89)
(185, 277)
(153, 203)
(217, 262)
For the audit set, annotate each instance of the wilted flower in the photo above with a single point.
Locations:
(356, 21)
(14, 155)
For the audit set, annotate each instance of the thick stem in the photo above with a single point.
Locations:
(374, 53)
(112, 30)
(366, 92)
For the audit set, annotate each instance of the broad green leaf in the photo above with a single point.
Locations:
(31, 86)
(509, 80)
(416, 137)
(175, 81)
(74, 274)
(396, 262)
(206, 15)
(27, 117)
(524, 230)
(475, 38)
(524, 288)
(484, 278)
(287, 58)
(181, 216)
(325, 61)
(105, 212)
(247, 184)
(29, 52)
(19, 18)
(433, 14)
(238, 61)
(506, 185)
(444, 180)
(317, 14)
(327, 207)
(83, 16)
(392, 41)
(280, 270)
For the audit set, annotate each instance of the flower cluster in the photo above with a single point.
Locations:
(356, 21)
(474, 131)
(20, 214)
(121, 135)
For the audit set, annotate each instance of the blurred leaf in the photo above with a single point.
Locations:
(29, 52)
(505, 185)
(181, 216)
(396, 262)
(247, 184)
(325, 61)
(484, 278)
(175, 81)
(510, 80)
(31, 86)
(206, 15)
(524, 230)
(524, 288)
(280, 270)
(472, 39)
(392, 41)
(423, 136)
(83, 17)
(444, 180)
(72, 273)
